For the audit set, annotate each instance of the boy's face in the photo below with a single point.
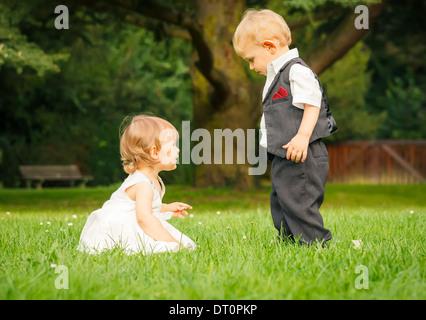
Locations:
(259, 55)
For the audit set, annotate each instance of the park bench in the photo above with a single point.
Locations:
(39, 174)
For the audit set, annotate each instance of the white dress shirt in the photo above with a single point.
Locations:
(304, 87)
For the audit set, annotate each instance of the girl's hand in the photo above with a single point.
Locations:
(178, 209)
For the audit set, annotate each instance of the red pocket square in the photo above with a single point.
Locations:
(281, 93)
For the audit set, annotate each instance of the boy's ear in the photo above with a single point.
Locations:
(270, 45)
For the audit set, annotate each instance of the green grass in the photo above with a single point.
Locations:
(238, 255)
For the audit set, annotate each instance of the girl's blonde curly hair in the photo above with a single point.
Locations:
(138, 134)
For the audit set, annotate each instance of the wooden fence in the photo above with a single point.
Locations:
(378, 162)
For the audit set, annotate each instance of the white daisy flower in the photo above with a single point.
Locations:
(357, 244)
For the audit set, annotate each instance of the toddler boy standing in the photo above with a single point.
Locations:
(295, 116)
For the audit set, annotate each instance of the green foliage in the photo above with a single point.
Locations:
(346, 83)
(15, 49)
(398, 70)
(74, 116)
(123, 73)
(313, 5)
(405, 110)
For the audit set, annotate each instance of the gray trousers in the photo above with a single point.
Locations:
(298, 193)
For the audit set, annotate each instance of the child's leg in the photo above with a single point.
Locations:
(278, 217)
(300, 192)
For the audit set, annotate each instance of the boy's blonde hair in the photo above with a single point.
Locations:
(138, 135)
(259, 25)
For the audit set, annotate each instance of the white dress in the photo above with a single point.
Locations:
(115, 224)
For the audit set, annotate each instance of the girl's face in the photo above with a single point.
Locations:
(169, 152)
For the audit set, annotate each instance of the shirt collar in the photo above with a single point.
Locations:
(277, 64)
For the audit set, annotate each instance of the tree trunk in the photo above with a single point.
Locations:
(233, 103)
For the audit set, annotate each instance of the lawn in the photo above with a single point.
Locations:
(238, 256)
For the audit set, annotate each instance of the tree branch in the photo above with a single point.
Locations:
(185, 21)
(170, 31)
(341, 40)
(160, 12)
(145, 8)
(296, 24)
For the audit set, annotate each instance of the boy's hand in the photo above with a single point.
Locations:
(178, 209)
(297, 148)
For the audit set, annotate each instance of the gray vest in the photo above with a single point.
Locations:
(282, 119)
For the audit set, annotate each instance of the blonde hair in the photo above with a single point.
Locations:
(259, 25)
(138, 134)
